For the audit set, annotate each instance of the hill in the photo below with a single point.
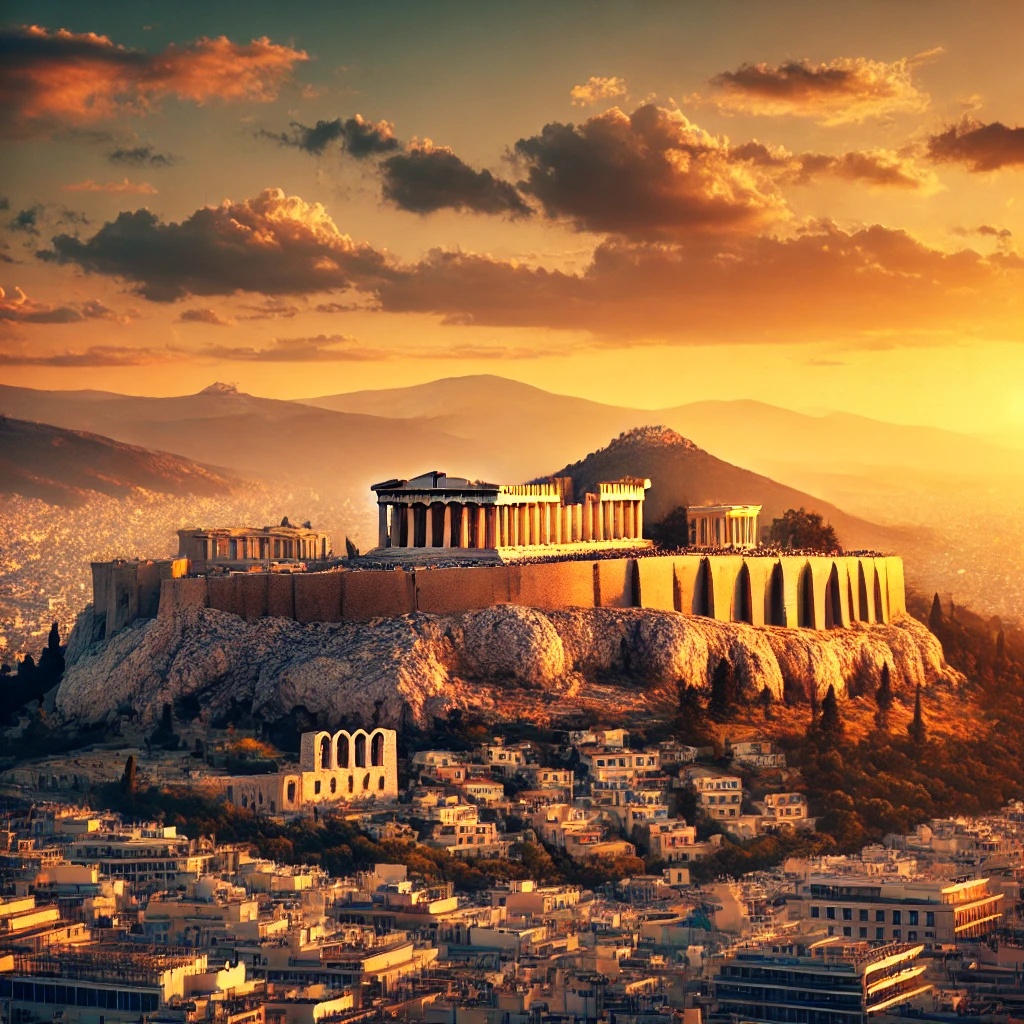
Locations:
(62, 467)
(681, 473)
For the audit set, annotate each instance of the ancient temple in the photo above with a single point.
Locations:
(723, 526)
(242, 547)
(435, 510)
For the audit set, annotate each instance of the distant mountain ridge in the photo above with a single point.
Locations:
(63, 466)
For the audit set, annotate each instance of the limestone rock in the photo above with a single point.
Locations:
(407, 669)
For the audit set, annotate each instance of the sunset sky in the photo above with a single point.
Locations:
(813, 204)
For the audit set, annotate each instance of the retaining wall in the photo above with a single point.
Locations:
(816, 592)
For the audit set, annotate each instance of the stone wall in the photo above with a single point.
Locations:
(817, 592)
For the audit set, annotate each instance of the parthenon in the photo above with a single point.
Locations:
(434, 510)
(245, 546)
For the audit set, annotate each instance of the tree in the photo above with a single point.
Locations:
(51, 663)
(935, 617)
(1000, 648)
(808, 531)
(672, 531)
(723, 690)
(351, 551)
(128, 779)
(766, 703)
(883, 695)
(916, 728)
(831, 722)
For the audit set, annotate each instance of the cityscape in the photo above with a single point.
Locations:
(511, 513)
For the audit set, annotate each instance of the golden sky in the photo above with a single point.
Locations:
(813, 205)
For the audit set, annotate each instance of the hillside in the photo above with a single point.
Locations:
(62, 467)
(681, 473)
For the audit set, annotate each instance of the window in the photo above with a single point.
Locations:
(862, 915)
(830, 913)
(862, 933)
(316, 786)
(912, 936)
(897, 934)
(897, 917)
(929, 918)
(847, 914)
(815, 911)
(879, 933)
(334, 785)
(913, 917)
(880, 916)
(831, 929)
(847, 931)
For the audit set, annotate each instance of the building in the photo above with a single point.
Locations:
(718, 796)
(756, 754)
(785, 807)
(342, 767)
(434, 510)
(723, 526)
(823, 983)
(155, 856)
(880, 909)
(242, 547)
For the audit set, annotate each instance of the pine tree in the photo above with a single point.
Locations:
(935, 616)
(883, 695)
(723, 690)
(916, 728)
(831, 722)
(128, 780)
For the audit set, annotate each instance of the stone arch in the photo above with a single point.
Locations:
(351, 784)
(291, 791)
(704, 590)
(380, 782)
(334, 784)
(360, 749)
(833, 600)
(742, 604)
(324, 762)
(805, 598)
(341, 749)
(862, 594)
(775, 603)
(879, 607)
(377, 749)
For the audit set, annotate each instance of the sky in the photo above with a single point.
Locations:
(643, 204)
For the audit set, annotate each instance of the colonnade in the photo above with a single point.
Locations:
(454, 524)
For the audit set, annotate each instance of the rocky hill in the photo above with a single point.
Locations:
(62, 467)
(504, 662)
(682, 473)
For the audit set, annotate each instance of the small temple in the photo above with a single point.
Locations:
(724, 526)
(242, 547)
(437, 511)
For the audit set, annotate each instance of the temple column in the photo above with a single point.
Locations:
(479, 517)
(559, 513)
(464, 526)
(620, 520)
(410, 526)
(587, 520)
(600, 514)
(491, 538)
(431, 541)
(446, 536)
(396, 525)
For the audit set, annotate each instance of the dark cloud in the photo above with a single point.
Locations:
(648, 175)
(841, 91)
(357, 136)
(52, 81)
(333, 348)
(871, 284)
(272, 309)
(878, 168)
(19, 308)
(205, 316)
(96, 355)
(273, 244)
(141, 156)
(427, 178)
(27, 220)
(980, 147)
(5, 203)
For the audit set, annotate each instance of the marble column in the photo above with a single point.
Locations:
(559, 511)
(446, 535)
(396, 525)
(481, 527)
(410, 526)
(463, 526)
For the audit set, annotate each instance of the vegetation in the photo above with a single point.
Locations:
(672, 531)
(31, 681)
(804, 530)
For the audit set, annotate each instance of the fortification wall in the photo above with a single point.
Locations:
(816, 592)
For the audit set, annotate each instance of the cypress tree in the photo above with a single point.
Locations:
(766, 702)
(723, 694)
(128, 780)
(883, 695)
(935, 616)
(1000, 647)
(916, 728)
(831, 722)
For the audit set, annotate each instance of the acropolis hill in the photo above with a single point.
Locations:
(500, 598)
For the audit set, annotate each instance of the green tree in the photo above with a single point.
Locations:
(808, 531)
(831, 722)
(916, 728)
(723, 691)
(935, 617)
(671, 531)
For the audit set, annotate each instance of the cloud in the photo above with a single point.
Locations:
(426, 178)
(205, 316)
(19, 308)
(271, 309)
(649, 175)
(878, 168)
(841, 91)
(96, 355)
(596, 89)
(357, 136)
(334, 348)
(125, 187)
(141, 156)
(52, 80)
(272, 244)
(980, 147)
(821, 282)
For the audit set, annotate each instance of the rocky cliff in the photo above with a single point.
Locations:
(505, 662)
